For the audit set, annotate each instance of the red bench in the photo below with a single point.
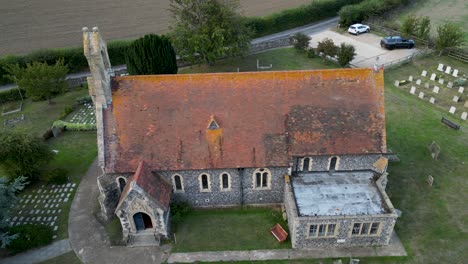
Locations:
(279, 233)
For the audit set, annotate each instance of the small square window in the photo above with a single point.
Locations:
(374, 228)
(356, 228)
(313, 230)
(331, 229)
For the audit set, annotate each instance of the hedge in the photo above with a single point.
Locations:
(73, 57)
(359, 12)
(303, 15)
(73, 126)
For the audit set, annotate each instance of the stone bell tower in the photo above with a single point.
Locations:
(99, 83)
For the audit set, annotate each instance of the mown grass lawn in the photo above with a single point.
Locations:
(228, 229)
(281, 59)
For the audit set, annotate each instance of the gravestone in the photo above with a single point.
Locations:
(426, 85)
(464, 115)
(461, 89)
(455, 99)
(434, 148)
(450, 84)
(410, 78)
(397, 83)
(424, 73)
(433, 77)
(421, 95)
(436, 89)
(413, 90)
(455, 73)
(448, 70)
(452, 109)
(440, 67)
(55, 228)
(441, 81)
(418, 81)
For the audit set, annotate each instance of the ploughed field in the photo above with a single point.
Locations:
(30, 24)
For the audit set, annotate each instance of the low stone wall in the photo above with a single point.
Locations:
(272, 44)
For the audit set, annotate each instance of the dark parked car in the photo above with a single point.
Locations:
(396, 42)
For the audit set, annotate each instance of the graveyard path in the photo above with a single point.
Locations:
(88, 237)
(40, 254)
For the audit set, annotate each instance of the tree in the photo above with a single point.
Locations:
(449, 35)
(327, 47)
(40, 80)
(7, 199)
(208, 29)
(23, 154)
(416, 26)
(301, 41)
(346, 53)
(151, 54)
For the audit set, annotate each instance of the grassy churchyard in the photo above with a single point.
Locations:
(49, 204)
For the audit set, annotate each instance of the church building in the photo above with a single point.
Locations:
(312, 141)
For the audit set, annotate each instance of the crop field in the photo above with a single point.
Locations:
(30, 25)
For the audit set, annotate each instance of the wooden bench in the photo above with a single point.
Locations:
(279, 233)
(449, 123)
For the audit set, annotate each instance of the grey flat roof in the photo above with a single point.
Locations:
(337, 193)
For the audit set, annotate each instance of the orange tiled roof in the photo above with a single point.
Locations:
(261, 118)
(154, 185)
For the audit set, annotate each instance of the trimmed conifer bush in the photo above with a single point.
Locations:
(151, 54)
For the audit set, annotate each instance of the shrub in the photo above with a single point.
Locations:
(310, 53)
(346, 53)
(179, 210)
(11, 95)
(73, 126)
(83, 99)
(327, 47)
(358, 12)
(56, 176)
(67, 110)
(460, 82)
(301, 41)
(29, 236)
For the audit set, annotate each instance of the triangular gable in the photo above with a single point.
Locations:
(157, 188)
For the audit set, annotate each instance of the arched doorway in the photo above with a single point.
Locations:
(333, 162)
(142, 221)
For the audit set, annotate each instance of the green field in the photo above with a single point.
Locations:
(439, 11)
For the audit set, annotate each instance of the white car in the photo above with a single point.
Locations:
(357, 29)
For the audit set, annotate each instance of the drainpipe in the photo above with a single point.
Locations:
(241, 176)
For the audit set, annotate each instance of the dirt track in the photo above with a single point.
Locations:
(34, 24)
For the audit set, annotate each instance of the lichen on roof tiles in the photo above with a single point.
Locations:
(264, 118)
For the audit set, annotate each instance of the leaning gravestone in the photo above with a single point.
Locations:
(450, 84)
(433, 77)
(424, 73)
(434, 148)
(421, 95)
(448, 69)
(441, 81)
(430, 180)
(452, 109)
(455, 73)
(418, 81)
(410, 78)
(426, 85)
(397, 83)
(455, 99)
(413, 90)
(461, 89)
(440, 67)
(464, 115)
(436, 89)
